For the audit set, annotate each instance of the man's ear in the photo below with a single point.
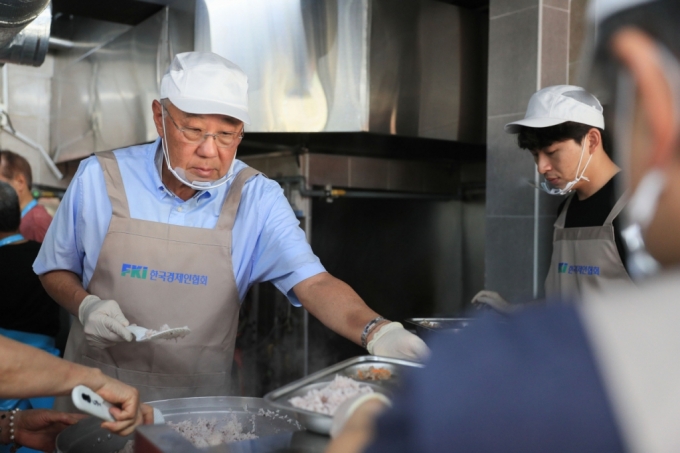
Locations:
(157, 110)
(594, 139)
(20, 180)
(642, 57)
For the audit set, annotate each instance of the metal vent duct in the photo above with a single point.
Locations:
(412, 67)
(24, 31)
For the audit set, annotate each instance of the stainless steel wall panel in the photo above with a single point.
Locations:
(406, 176)
(357, 65)
(394, 68)
(85, 34)
(306, 60)
(362, 173)
(368, 173)
(274, 166)
(325, 169)
(102, 98)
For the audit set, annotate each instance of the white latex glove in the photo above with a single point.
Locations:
(345, 411)
(493, 300)
(103, 322)
(392, 340)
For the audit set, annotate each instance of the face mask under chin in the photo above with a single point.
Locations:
(182, 176)
(552, 190)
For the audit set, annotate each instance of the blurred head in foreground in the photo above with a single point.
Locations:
(636, 71)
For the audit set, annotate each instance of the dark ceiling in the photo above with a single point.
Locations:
(130, 12)
(472, 4)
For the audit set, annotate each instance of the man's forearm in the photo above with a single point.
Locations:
(65, 288)
(27, 372)
(336, 305)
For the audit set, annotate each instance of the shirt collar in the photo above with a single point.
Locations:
(158, 160)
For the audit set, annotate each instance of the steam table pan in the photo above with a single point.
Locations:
(321, 423)
(87, 436)
(448, 325)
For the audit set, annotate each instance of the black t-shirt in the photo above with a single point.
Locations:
(24, 304)
(594, 210)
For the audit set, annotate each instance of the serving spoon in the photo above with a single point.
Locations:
(142, 333)
(88, 401)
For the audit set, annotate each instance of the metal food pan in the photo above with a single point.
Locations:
(321, 423)
(425, 325)
(87, 436)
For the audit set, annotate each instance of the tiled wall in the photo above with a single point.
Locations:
(529, 48)
(578, 31)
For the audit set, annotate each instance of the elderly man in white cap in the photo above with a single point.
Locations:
(175, 232)
(563, 129)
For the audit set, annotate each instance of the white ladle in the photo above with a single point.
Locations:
(88, 401)
(141, 334)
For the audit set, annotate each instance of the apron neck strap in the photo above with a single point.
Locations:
(562, 218)
(114, 184)
(616, 210)
(233, 199)
(28, 207)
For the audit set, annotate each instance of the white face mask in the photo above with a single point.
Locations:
(551, 190)
(182, 176)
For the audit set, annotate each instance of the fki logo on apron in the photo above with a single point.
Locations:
(141, 272)
(565, 268)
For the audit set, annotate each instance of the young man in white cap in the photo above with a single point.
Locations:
(175, 232)
(563, 129)
(601, 376)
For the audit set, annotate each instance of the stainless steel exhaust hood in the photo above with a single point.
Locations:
(401, 71)
(412, 67)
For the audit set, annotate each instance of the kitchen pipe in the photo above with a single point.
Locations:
(24, 31)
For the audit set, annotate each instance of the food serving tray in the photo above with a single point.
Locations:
(254, 414)
(424, 325)
(321, 423)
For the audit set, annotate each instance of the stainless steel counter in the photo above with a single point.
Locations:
(163, 439)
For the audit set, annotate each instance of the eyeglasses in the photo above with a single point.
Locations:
(196, 136)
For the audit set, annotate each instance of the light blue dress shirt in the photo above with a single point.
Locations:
(268, 244)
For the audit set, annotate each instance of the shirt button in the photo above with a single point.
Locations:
(179, 209)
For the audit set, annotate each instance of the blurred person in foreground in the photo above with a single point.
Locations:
(26, 372)
(29, 315)
(16, 171)
(599, 376)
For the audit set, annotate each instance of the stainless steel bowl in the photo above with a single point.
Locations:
(87, 436)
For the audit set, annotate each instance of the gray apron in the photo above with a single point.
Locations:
(585, 259)
(166, 274)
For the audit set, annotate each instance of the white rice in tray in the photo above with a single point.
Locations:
(205, 433)
(327, 399)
